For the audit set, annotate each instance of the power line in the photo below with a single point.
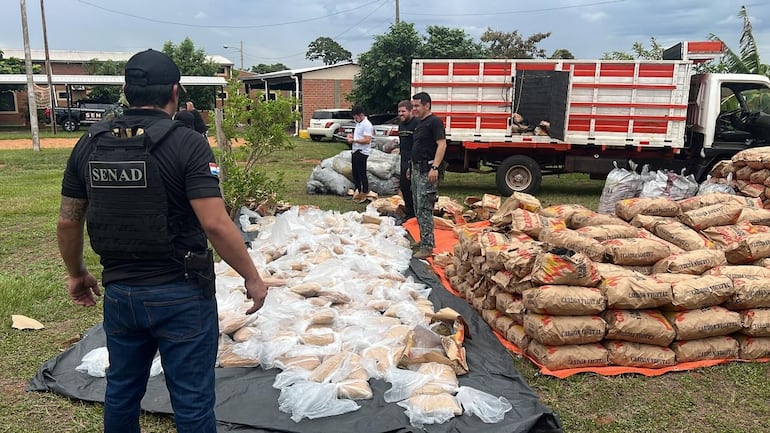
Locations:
(527, 11)
(224, 26)
(382, 3)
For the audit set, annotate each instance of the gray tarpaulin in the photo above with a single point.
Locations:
(247, 402)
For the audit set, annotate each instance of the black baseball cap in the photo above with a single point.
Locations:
(151, 67)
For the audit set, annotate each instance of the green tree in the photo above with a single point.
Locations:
(386, 69)
(747, 61)
(194, 62)
(12, 65)
(328, 50)
(502, 45)
(107, 67)
(262, 126)
(562, 53)
(448, 43)
(655, 52)
(263, 68)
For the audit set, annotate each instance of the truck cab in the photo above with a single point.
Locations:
(729, 111)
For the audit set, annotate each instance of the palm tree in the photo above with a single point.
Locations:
(748, 61)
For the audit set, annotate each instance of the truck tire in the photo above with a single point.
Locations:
(518, 173)
(70, 125)
(316, 137)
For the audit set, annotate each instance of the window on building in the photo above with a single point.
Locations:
(221, 70)
(222, 95)
(7, 101)
(62, 95)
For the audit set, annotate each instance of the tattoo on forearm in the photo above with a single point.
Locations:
(73, 208)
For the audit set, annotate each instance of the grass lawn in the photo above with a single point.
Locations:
(728, 398)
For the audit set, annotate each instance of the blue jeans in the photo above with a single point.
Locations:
(178, 321)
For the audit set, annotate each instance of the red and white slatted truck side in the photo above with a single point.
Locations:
(600, 111)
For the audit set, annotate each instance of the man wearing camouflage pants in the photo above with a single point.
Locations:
(426, 170)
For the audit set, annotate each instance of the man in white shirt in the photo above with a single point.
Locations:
(360, 143)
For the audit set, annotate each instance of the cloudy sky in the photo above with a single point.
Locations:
(279, 31)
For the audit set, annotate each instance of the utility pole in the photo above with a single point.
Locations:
(241, 54)
(398, 18)
(51, 91)
(30, 83)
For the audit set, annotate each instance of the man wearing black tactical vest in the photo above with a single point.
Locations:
(150, 195)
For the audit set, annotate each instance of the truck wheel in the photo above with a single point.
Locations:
(70, 125)
(518, 173)
(315, 137)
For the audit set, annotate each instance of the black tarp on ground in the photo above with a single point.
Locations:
(247, 402)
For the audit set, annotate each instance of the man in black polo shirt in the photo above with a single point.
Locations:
(149, 193)
(426, 170)
(405, 139)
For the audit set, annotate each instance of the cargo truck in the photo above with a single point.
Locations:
(524, 119)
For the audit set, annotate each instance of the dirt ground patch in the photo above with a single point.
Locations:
(45, 143)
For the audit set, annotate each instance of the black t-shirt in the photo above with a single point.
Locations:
(406, 137)
(427, 132)
(189, 171)
(199, 124)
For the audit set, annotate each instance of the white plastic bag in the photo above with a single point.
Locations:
(620, 184)
(489, 408)
(443, 408)
(682, 186)
(709, 187)
(156, 368)
(313, 400)
(95, 362)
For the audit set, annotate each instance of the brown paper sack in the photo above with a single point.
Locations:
(639, 355)
(749, 249)
(574, 241)
(648, 222)
(571, 270)
(605, 232)
(502, 323)
(722, 347)
(755, 216)
(724, 237)
(722, 168)
(756, 322)
(702, 291)
(682, 236)
(587, 218)
(749, 292)
(518, 336)
(721, 214)
(740, 271)
(570, 356)
(563, 211)
(703, 322)
(527, 222)
(692, 262)
(511, 305)
(527, 201)
(607, 270)
(636, 292)
(646, 234)
(635, 251)
(561, 330)
(564, 300)
(520, 261)
(666, 277)
(639, 326)
(753, 347)
(630, 207)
